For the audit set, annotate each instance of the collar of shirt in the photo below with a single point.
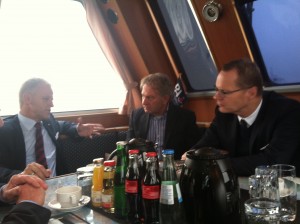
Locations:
(26, 122)
(159, 117)
(250, 119)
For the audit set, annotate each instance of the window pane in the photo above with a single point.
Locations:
(51, 39)
(276, 27)
(186, 42)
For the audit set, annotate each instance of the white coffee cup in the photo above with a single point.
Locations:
(68, 196)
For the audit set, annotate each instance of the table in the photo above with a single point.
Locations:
(86, 214)
(89, 214)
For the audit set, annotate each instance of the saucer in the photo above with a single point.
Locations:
(54, 204)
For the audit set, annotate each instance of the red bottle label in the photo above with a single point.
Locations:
(131, 186)
(107, 201)
(150, 192)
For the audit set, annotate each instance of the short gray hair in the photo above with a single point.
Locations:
(29, 86)
(159, 81)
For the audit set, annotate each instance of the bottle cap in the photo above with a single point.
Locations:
(133, 151)
(109, 163)
(121, 145)
(98, 160)
(151, 154)
(168, 151)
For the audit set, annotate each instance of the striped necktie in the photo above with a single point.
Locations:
(39, 146)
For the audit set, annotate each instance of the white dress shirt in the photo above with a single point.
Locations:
(28, 129)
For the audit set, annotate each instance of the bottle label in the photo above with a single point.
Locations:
(150, 192)
(179, 193)
(96, 196)
(131, 186)
(166, 194)
(107, 201)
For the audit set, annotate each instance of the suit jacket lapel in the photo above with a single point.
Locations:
(144, 125)
(233, 132)
(257, 124)
(169, 123)
(21, 154)
(51, 131)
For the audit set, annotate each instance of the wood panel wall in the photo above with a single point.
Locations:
(141, 46)
(225, 37)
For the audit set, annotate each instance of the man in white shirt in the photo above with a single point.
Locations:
(17, 136)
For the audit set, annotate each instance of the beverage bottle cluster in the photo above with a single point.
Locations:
(136, 195)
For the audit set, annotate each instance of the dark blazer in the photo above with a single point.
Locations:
(275, 135)
(27, 213)
(181, 129)
(12, 145)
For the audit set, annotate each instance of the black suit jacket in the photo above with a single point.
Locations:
(181, 129)
(27, 213)
(275, 135)
(12, 145)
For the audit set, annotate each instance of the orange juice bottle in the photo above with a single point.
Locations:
(97, 182)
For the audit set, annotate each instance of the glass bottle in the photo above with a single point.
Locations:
(108, 186)
(119, 181)
(97, 182)
(132, 188)
(151, 190)
(170, 204)
(85, 179)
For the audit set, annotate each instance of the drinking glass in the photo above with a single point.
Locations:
(268, 180)
(287, 191)
(264, 203)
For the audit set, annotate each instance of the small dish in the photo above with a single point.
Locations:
(54, 204)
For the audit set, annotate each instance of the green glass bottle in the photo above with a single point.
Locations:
(119, 181)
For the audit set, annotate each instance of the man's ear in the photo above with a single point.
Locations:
(166, 99)
(252, 92)
(26, 98)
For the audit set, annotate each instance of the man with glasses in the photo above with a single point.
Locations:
(256, 127)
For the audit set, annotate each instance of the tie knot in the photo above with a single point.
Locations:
(244, 123)
(37, 125)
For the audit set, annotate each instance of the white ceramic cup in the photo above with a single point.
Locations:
(68, 196)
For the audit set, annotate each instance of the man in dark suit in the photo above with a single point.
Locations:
(272, 133)
(18, 135)
(28, 192)
(166, 125)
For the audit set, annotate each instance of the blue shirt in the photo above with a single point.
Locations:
(156, 132)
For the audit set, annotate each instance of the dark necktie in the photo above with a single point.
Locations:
(244, 127)
(39, 146)
(243, 140)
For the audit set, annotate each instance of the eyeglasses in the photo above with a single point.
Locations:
(224, 93)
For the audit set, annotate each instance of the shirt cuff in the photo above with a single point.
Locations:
(2, 197)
